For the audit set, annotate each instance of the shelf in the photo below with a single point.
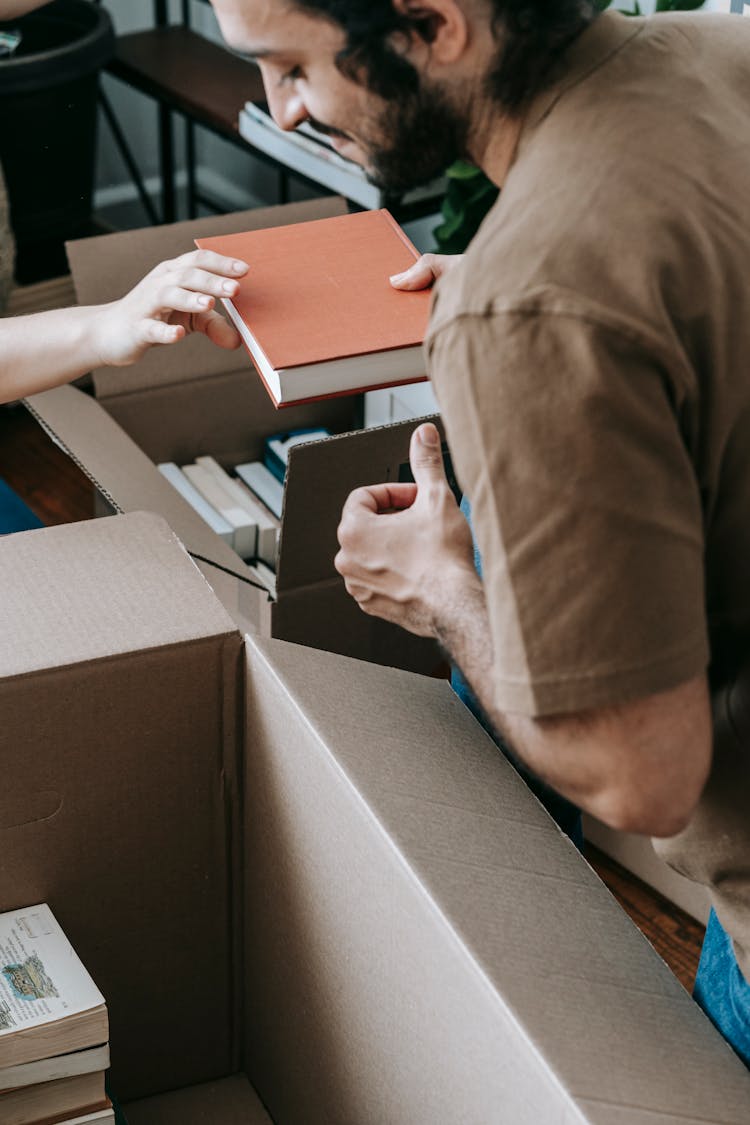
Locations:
(189, 74)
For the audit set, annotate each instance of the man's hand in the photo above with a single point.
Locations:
(406, 550)
(425, 272)
(174, 299)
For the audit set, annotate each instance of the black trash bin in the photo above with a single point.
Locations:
(48, 94)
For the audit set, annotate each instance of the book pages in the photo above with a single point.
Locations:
(41, 977)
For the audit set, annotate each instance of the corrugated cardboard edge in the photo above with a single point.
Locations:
(625, 999)
(636, 854)
(326, 468)
(116, 465)
(94, 571)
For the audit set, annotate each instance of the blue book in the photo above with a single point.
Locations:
(14, 514)
(276, 447)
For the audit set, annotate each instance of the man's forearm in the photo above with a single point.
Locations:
(639, 767)
(406, 556)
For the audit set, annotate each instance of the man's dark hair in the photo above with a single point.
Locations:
(530, 37)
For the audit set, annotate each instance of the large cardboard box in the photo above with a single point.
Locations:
(179, 403)
(311, 873)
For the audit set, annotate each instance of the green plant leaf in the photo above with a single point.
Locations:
(678, 5)
(462, 170)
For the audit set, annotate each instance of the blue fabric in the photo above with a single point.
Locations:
(561, 810)
(14, 514)
(721, 989)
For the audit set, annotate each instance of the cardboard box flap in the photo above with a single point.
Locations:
(326, 616)
(320, 476)
(109, 575)
(119, 798)
(104, 268)
(123, 473)
(480, 931)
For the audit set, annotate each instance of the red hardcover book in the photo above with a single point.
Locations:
(317, 312)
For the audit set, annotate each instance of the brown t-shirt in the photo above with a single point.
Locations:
(591, 356)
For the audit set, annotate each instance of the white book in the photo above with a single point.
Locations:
(245, 538)
(264, 484)
(307, 152)
(267, 525)
(189, 492)
(49, 1004)
(59, 1066)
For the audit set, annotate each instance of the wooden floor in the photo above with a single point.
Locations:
(40, 473)
(58, 492)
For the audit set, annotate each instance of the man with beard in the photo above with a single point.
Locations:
(590, 354)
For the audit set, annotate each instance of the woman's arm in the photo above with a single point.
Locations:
(177, 297)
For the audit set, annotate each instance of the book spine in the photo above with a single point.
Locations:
(265, 486)
(245, 529)
(268, 533)
(267, 524)
(178, 480)
(54, 1068)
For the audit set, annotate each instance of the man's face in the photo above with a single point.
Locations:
(401, 142)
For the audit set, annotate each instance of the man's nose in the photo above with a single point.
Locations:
(287, 108)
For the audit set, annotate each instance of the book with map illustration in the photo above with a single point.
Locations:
(49, 1005)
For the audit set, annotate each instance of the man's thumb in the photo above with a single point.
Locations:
(426, 455)
(419, 276)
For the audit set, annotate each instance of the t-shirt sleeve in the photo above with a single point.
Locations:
(566, 435)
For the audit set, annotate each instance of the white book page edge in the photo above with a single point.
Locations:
(42, 978)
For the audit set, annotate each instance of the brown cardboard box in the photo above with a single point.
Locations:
(195, 399)
(179, 403)
(312, 871)
(119, 700)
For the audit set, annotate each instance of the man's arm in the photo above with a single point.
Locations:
(406, 556)
(639, 767)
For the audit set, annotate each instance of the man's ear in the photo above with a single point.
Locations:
(440, 23)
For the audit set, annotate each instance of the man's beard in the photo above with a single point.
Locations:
(424, 136)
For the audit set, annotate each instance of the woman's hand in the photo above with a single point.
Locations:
(175, 298)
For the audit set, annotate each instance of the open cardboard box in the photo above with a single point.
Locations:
(178, 403)
(182, 402)
(310, 887)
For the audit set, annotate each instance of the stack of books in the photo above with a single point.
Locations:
(243, 506)
(229, 508)
(54, 1029)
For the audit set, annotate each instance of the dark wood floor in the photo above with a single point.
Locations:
(40, 473)
(58, 492)
(675, 935)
